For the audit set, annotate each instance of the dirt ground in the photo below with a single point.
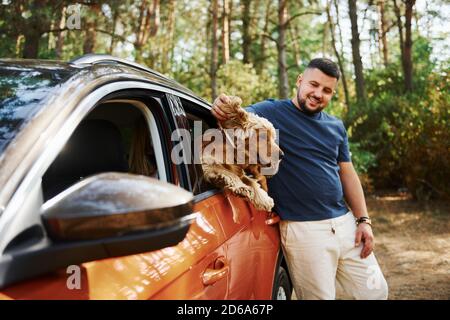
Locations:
(412, 245)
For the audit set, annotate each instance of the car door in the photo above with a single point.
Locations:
(252, 244)
(193, 269)
(190, 270)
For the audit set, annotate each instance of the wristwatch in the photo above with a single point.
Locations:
(364, 220)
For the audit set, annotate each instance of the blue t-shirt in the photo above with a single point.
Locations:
(307, 186)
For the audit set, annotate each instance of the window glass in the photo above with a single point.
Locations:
(114, 137)
(198, 124)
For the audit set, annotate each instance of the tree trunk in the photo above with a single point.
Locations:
(283, 84)
(383, 31)
(113, 31)
(338, 24)
(91, 34)
(166, 43)
(31, 46)
(230, 15)
(359, 75)
(172, 21)
(33, 30)
(408, 64)
(214, 49)
(400, 33)
(225, 32)
(148, 26)
(406, 42)
(60, 37)
(260, 61)
(89, 41)
(293, 32)
(246, 37)
(338, 56)
(154, 19)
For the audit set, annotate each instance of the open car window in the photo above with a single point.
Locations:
(199, 122)
(114, 137)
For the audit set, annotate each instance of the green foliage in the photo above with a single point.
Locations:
(408, 134)
(363, 160)
(236, 78)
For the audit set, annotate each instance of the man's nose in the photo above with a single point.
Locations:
(318, 94)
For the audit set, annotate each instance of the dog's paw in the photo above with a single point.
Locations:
(243, 191)
(265, 205)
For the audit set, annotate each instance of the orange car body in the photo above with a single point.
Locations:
(215, 261)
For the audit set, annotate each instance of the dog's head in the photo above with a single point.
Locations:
(237, 116)
(258, 133)
(263, 135)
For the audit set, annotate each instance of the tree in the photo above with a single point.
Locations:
(246, 36)
(147, 26)
(168, 42)
(339, 57)
(60, 36)
(214, 63)
(91, 34)
(357, 63)
(225, 32)
(383, 29)
(408, 65)
(406, 42)
(283, 83)
(259, 61)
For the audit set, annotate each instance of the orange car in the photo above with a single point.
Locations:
(92, 205)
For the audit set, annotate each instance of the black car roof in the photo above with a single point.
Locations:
(89, 61)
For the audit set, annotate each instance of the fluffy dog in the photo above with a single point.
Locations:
(251, 140)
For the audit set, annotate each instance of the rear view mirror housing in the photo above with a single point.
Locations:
(114, 204)
(104, 216)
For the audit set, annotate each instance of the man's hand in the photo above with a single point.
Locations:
(364, 234)
(216, 110)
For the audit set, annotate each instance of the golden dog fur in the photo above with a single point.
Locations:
(245, 179)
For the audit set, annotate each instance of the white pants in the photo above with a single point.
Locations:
(317, 258)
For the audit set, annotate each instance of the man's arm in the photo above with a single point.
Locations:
(353, 190)
(354, 195)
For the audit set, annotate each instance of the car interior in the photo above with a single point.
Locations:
(115, 136)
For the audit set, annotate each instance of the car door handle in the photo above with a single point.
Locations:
(218, 272)
(274, 219)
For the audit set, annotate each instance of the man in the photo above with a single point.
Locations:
(322, 240)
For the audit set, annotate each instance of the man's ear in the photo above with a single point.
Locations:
(299, 79)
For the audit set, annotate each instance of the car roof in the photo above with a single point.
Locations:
(90, 60)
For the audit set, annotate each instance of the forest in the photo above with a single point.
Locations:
(394, 58)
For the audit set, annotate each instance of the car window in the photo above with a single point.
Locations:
(198, 124)
(115, 136)
(22, 93)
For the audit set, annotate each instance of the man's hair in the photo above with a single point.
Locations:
(326, 66)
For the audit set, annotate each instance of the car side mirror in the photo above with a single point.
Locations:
(115, 204)
(104, 216)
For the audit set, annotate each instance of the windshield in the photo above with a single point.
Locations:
(23, 89)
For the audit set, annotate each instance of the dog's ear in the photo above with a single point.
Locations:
(235, 106)
(235, 102)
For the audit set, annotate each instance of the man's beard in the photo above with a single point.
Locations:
(304, 108)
